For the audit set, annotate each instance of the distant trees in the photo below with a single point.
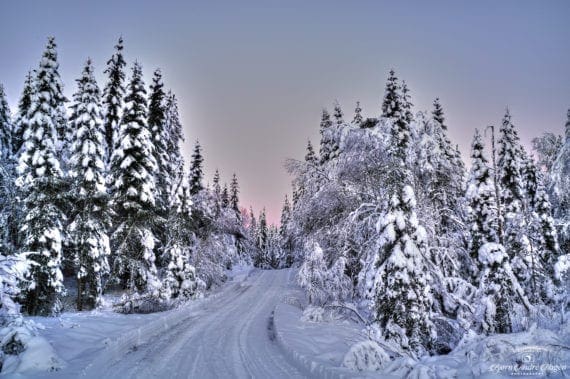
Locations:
(196, 170)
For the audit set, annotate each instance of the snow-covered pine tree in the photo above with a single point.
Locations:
(338, 114)
(357, 120)
(286, 238)
(500, 295)
(5, 127)
(541, 236)
(407, 105)
(447, 180)
(113, 94)
(252, 227)
(511, 183)
(482, 206)
(262, 260)
(41, 184)
(329, 147)
(181, 281)
(234, 195)
(216, 185)
(273, 250)
(8, 206)
(14, 330)
(393, 108)
(392, 103)
(174, 137)
(196, 170)
(133, 170)
(88, 229)
(403, 295)
(51, 66)
(285, 216)
(295, 195)
(225, 196)
(24, 105)
(158, 128)
(437, 113)
(311, 157)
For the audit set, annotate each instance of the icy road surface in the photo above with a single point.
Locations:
(228, 336)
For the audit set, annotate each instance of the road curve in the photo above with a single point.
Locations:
(229, 336)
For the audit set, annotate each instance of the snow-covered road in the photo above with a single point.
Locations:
(227, 336)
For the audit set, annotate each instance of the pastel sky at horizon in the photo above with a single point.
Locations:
(252, 77)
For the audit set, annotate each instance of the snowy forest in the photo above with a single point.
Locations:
(387, 226)
(389, 222)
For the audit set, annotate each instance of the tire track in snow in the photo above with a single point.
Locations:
(225, 337)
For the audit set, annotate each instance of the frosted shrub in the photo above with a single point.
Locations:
(365, 356)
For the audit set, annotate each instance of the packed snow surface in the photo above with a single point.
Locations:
(254, 326)
(226, 335)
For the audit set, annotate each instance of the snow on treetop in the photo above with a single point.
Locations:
(491, 253)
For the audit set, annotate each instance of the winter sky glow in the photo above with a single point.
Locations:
(252, 77)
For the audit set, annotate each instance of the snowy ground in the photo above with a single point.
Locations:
(253, 327)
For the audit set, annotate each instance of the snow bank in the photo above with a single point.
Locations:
(38, 354)
(333, 349)
(365, 356)
(318, 348)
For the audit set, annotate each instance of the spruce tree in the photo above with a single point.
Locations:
(225, 196)
(403, 296)
(58, 100)
(41, 184)
(407, 105)
(338, 114)
(174, 171)
(8, 208)
(252, 229)
(113, 97)
(392, 104)
(88, 234)
(446, 185)
(541, 235)
(326, 149)
(24, 104)
(483, 218)
(437, 113)
(261, 241)
(295, 195)
(357, 120)
(217, 186)
(509, 168)
(234, 195)
(5, 127)
(499, 291)
(285, 217)
(393, 108)
(133, 170)
(311, 157)
(156, 123)
(196, 170)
